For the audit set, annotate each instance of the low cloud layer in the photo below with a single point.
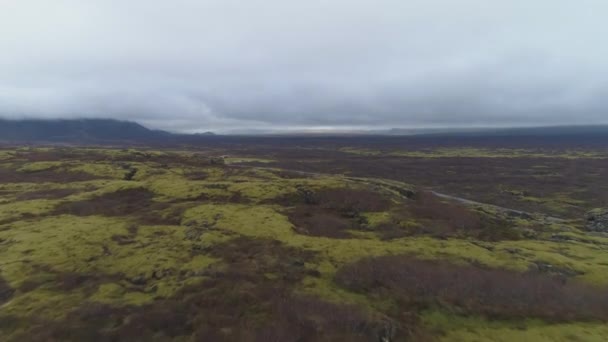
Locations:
(231, 65)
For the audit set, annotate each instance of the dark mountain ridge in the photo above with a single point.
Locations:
(78, 130)
(109, 131)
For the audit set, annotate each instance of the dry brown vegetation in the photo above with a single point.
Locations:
(135, 202)
(66, 281)
(284, 318)
(568, 187)
(44, 176)
(441, 218)
(496, 293)
(247, 297)
(315, 222)
(119, 203)
(47, 194)
(154, 216)
(332, 212)
(93, 155)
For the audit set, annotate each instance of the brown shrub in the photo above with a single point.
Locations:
(207, 315)
(331, 212)
(46, 194)
(346, 201)
(102, 156)
(429, 206)
(492, 292)
(89, 322)
(136, 202)
(44, 176)
(288, 174)
(320, 222)
(350, 201)
(119, 203)
(306, 318)
(245, 255)
(155, 216)
(442, 218)
(66, 280)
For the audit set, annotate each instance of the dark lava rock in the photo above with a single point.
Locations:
(597, 220)
(307, 195)
(6, 292)
(139, 280)
(542, 267)
(160, 274)
(559, 237)
(513, 250)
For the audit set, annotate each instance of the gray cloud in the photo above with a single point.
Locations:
(189, 65)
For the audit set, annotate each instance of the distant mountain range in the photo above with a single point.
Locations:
(81, 130)
(106, 131)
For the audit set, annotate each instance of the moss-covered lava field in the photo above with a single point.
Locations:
(102, 244)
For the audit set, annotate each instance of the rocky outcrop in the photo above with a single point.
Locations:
(597, 220)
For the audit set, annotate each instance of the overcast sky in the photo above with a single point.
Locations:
(190, 65)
